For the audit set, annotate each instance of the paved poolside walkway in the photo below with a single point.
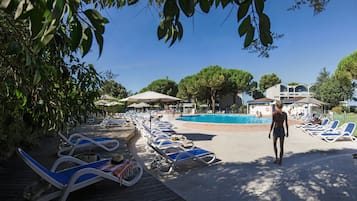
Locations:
(312, 169)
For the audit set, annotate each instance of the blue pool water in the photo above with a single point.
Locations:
(225, 118)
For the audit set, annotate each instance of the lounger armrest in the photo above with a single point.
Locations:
(65, 159)
(88, 170)
(161, 136)
(77, 135)
(82, 137)
(64, 138)
(107, 175)
(338, 131)
(171, 149)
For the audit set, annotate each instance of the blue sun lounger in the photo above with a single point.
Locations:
(323, 125)
(346, 132)
(172, 157)
(63, 182)
(79, 141)
(317, 131)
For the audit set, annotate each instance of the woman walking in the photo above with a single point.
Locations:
(277, 125)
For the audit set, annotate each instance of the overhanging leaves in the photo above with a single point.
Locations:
(99, 38)
(205, 5)
(249, 37)
(170, 8)
(259, 6)
(243, 9)
(76, 34)
(244, 26)
(187, 7)
(87, 41)
(264, 29)
(161, 30)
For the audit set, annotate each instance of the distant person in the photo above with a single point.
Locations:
(258, 114)
(277, 125)
(316, 120)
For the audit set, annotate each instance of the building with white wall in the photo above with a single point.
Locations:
(263, 106)
(286, 92)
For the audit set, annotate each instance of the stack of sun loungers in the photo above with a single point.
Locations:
(330, 131)
(62, 178)
(111, 122)
(344, 132)
(310, 126)
(172, 150)
(321, 129)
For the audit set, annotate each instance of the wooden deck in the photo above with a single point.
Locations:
(15, 175)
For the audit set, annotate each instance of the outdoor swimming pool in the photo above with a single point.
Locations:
(225, 119)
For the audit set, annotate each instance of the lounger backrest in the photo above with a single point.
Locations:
(335, 124)
(159, 151)
(193, 153)
(350, 128)
(57, 179)
(50, 177)
(325, 122)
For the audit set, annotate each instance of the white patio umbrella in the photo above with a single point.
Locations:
(132, 105)
(107, 103)
(142, 105)
(150, 97)
(113, 103)
(101, 102)
(310, 100)
(107, 97)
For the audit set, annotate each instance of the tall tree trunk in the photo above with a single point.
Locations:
(213, 100)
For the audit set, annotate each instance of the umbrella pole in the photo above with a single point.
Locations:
(150, 119)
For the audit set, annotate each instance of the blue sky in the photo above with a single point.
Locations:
(310, 43)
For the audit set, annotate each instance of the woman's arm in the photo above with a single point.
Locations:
(271, 126)
(286, 125)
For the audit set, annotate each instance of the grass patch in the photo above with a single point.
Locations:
(348, 117)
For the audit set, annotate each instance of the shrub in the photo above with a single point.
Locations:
(243, 109)
(234, 108)
(337, 109)
(346, 109)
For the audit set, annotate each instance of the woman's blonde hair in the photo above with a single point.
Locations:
(278, 104)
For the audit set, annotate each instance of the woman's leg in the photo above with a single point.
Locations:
(281, 149)
(275, 138)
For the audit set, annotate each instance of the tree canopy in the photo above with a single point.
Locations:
(323, 77)
(333, 89)
(268, 80)
(213, 82)
(348, 65)
(113, 88)
(41, 90)
(164, 86)
(336, 89)
(189, 88)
